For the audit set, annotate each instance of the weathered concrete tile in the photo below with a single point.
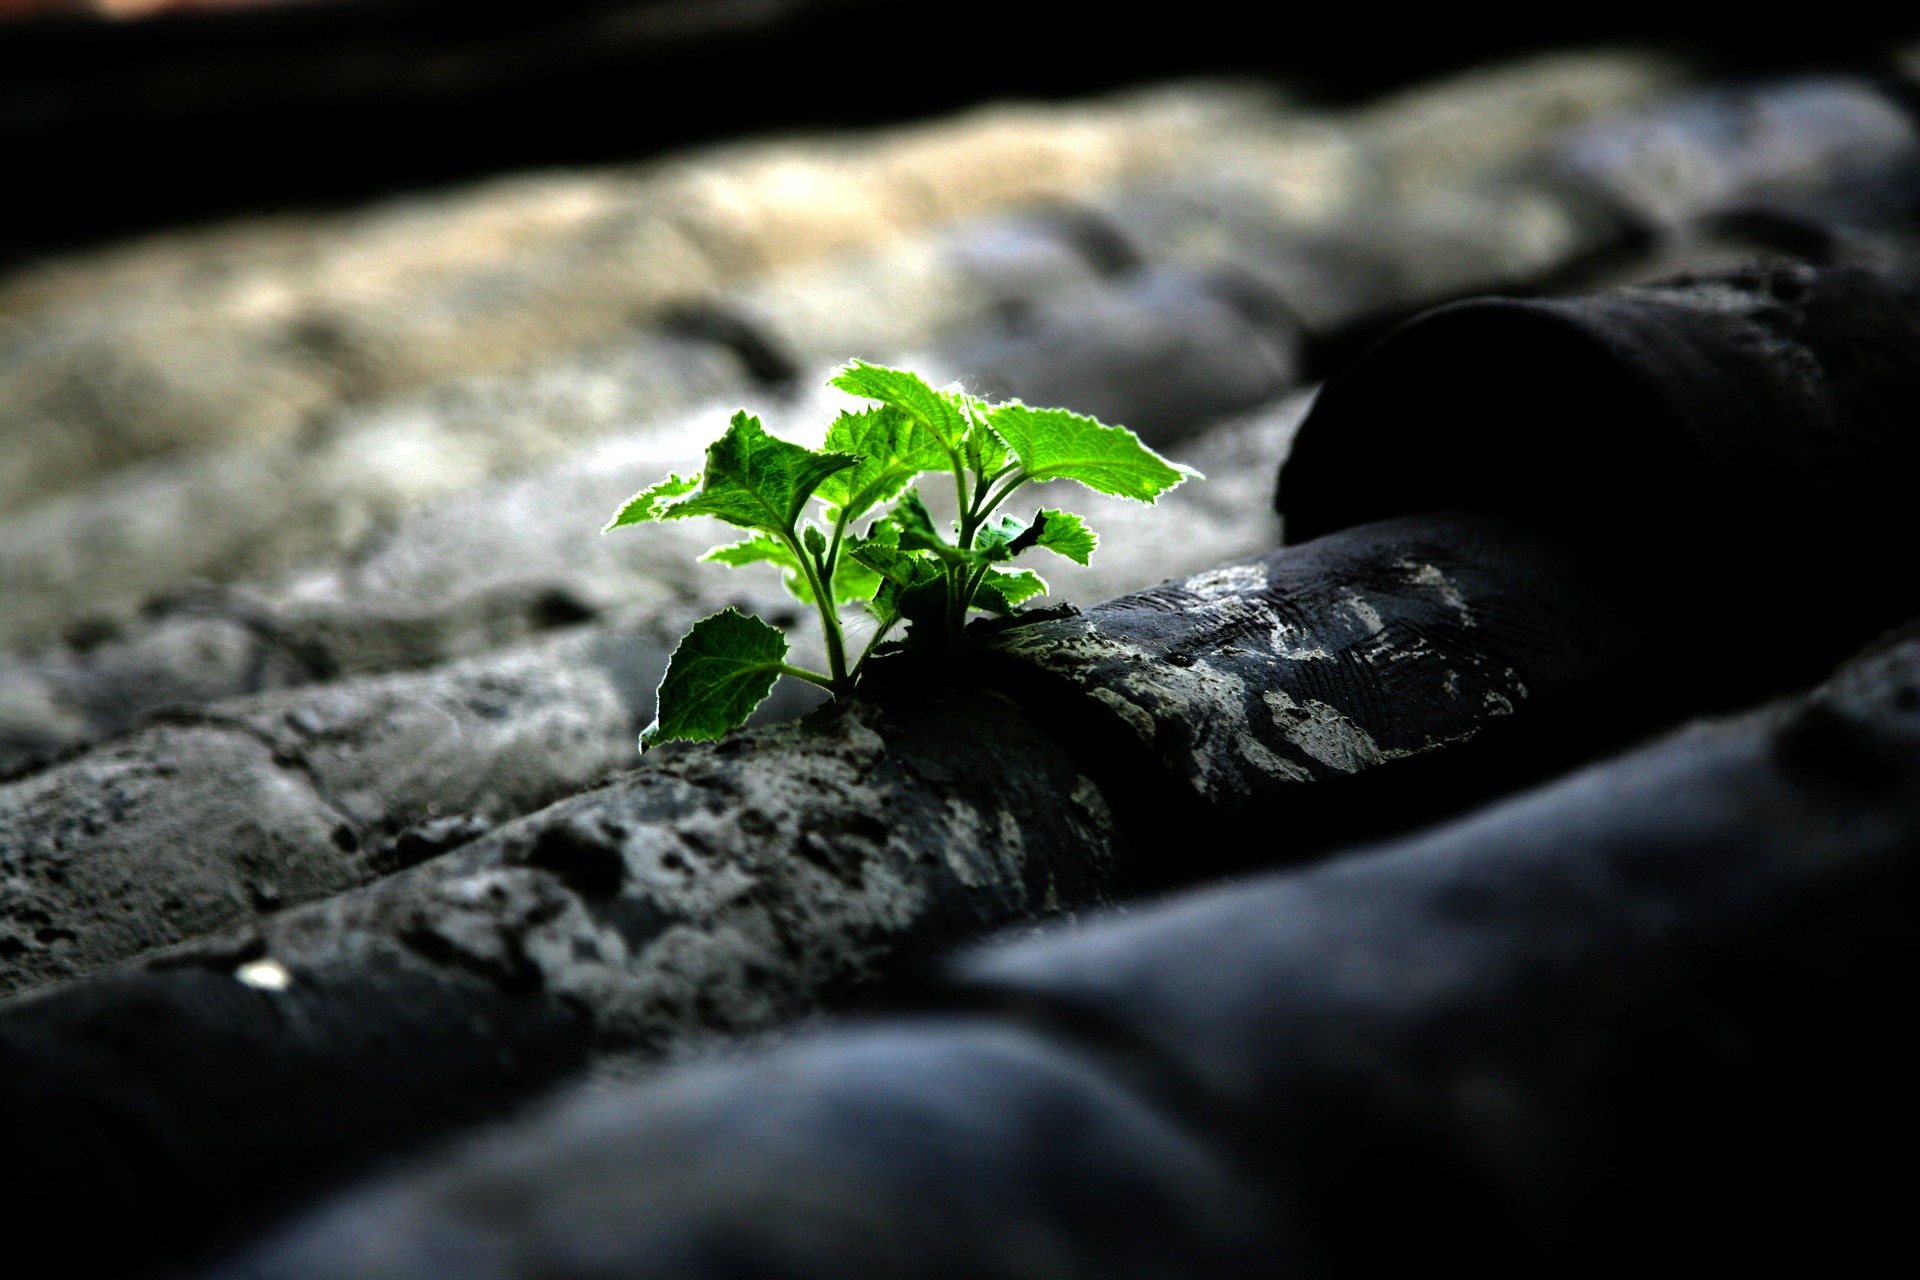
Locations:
(221, 815)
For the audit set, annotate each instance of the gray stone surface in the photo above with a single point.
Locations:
(1606, 1021)
(95, 556)
(718, 889)
(1760, 419)
(249, 331)
(58, 700)
(1378, 644)
(724, 888)
(1373, 258)
(428, 940)
(912, 294)
(225, 814)
(1677, 161)
(1163, 351)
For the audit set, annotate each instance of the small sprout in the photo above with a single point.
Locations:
(904, 568)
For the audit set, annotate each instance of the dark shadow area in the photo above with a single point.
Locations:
(110, 128)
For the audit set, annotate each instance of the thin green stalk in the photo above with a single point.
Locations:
(829, 616)
(974, 580)
(987, 507)
(811, 677)
(963, 498)
(987, 482)
(832, 566)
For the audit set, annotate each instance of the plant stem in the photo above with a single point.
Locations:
(987, 507)
(833, 546)
(811, 677)
(829, 616)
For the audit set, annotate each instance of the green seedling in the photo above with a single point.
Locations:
(902, 567)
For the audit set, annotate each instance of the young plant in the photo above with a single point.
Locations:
(902, 567)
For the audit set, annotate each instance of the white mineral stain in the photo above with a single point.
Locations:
(1427, 575)
(1228, 580)
(1247, 614)
(1325, 733)
(1281, 638)
(1419, 649)
(1368, 615)
(264, 975)
(1284, 639)
(1211, 704)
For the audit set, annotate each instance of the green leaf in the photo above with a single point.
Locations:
(648, 503)
(751, 551)
(851, 580)
(721, 671)
(942, 413)
(1002, 589)
(1000, 539)
(915, 525)
(884, 556)
(1056, 444)
(752, 480)
(762, 547)
(985, 452)
(912, 585)
(1063, 533)
(923, 602)
(893, 447)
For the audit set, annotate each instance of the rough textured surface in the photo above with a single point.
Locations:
(226, 814)
(1611, 1020)
(722, 888)
(497, 565)
(1385, 643)
(1629, 1012)
(718, 889)
(61, 699)
(394, 519)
